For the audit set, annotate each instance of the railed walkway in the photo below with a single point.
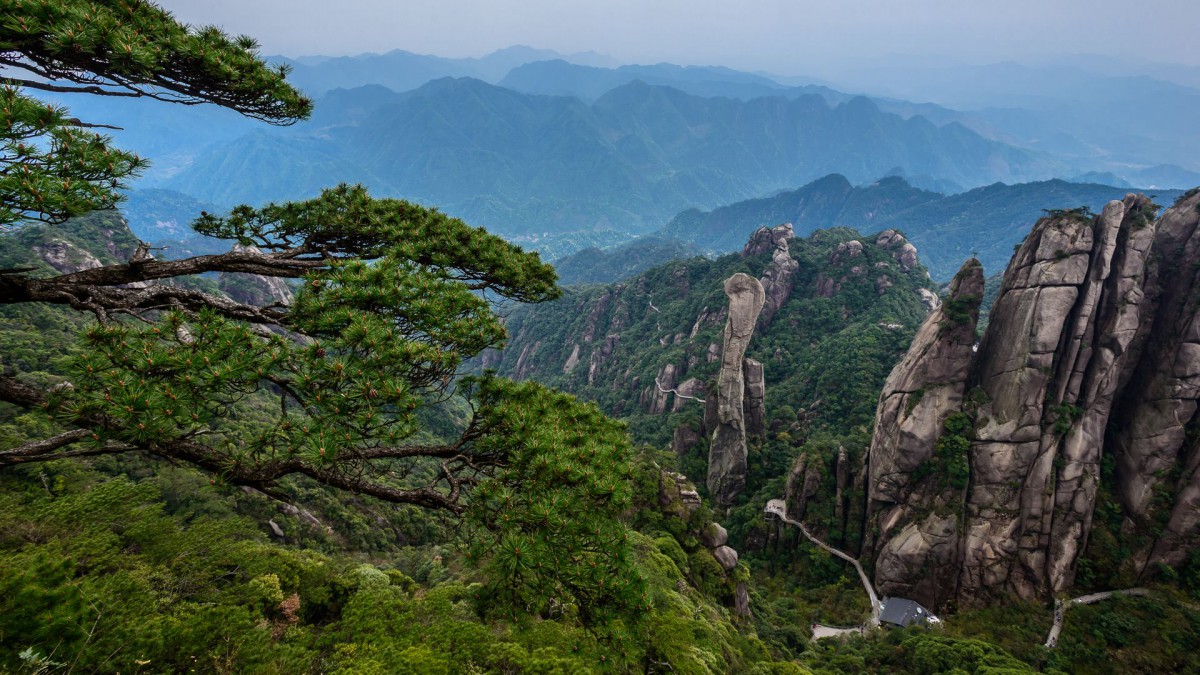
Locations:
(778, 507)
(1060, 608)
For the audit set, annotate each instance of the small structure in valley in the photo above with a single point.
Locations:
(902, 612)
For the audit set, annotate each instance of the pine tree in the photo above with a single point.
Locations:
(334, 386)
(52, 166)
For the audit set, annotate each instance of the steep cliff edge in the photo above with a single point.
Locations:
(916, 477)
(1092, 352)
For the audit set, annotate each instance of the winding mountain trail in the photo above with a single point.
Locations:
(778, 508)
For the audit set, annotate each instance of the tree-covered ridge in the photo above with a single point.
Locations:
(594, 265)
(830, 346)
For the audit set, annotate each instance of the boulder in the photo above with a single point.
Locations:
(726, 556)
(714, 535)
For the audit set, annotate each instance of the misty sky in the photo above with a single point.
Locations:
(790, 37)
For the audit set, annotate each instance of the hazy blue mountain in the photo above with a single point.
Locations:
(169, 134)
(526, 164)
(828, 202)
(401, 70)
(1114, 117)
(991, 220)
(1165, 175)
(164, 219)
(1101, 178)
(261, 167)
(946, 229)
(560, 78)
(605, 266)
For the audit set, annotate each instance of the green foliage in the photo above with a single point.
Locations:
(53, 169)
(137, 48)
(951, 451)
(549, 521)
(830, 353)
(958, 311)
(1156, 634)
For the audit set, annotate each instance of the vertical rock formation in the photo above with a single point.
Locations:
(1156, 448)
(913, 499)
(727, 450)
(778, 278)
(1093, 347)
(1031, 369)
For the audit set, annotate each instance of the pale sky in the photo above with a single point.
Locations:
(795, 37)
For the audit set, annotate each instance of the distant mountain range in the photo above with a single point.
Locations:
(946, 229)
(401, 70)
(523, 164)
(561, 152)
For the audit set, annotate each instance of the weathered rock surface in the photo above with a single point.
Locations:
(1156, 451)
(690, 391)
(1093, 349)
(656, 396)
(684, 439)
(726, 556)
(778, 279)
(768, 239)
(754, 398)
(904, 252)
(66, 257)
(714, 535)
(727, 451)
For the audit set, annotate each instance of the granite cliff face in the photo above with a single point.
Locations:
(727, 452)
(986, 464)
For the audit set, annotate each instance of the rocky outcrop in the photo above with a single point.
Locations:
(677, 497)
(572, 360)
(902, 250)
(655, 397)
(598, 358)
(1156, 450)
(1092, 350)
(727, 450)
(254, 289)
(923, 390)
(1038, 432)
(684, 439)
(768, 239)
(690, 390)
(778, 279)
(65, 257)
